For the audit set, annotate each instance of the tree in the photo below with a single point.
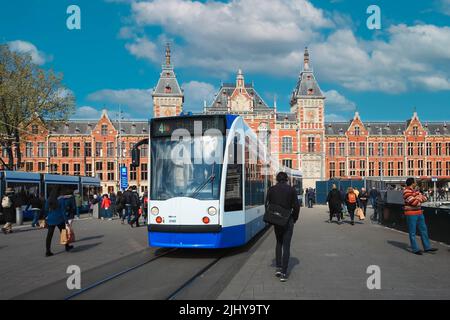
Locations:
(26, 92)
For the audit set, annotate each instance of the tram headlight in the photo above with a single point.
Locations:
(155, 211)
(212, 211)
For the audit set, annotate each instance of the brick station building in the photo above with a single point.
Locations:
(299, 139)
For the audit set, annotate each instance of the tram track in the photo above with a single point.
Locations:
(169, 275)
(119, 274)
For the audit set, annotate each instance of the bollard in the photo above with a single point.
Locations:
(96, 211)
(19, 216)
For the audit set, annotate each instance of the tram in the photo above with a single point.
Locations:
(209, 175)
(29, 183)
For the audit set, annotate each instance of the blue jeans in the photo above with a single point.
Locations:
(413, 223)
(372, 202)
(127, 214)
(107, 213)
(36, 214)
(78, 212)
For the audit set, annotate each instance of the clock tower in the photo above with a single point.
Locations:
(307, 102)
(168, 97)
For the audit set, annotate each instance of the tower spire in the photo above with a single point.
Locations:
(306, 60)
(168, 54)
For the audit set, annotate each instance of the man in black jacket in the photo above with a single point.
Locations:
(284, 195)
(134, 203)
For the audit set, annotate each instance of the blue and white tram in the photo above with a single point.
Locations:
(208, 184)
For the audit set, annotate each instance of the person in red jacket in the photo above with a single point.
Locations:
(414, 216)
(106, 207)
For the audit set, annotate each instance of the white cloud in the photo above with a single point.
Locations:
(337, 102)
(135, 101)
(87, 112)
(260, 35)
(268, 37)
(332, 117)
(411, 53)
(195, 93)
(444, 6)
(144, 48)
(37, 57)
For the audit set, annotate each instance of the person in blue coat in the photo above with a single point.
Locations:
(56, 217)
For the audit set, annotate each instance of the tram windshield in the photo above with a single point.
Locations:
(190, 168)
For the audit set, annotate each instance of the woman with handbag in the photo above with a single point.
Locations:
(56, 217)
(282, 198)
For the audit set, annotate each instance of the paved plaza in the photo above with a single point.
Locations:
(329, 261)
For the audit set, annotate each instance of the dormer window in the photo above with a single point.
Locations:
(77, 130)
(310, 91)
(357, 131)
(167, 89)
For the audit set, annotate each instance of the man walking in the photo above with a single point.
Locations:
(78, 202)
(282, 194)
(126, 200)
(415, 218)
(363, 198)
(134, 204)
(373, 196)
(311, 196)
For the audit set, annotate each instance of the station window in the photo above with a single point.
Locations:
(76, 149)
(76, 169)
(41, 166)
(65, 168)
(144, 171)
(341, 149)
(104, 130)
(287, 163)
(29, 166)
(65, 149)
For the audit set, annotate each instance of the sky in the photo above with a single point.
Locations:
(115, 59)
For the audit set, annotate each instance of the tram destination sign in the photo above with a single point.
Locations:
(164, 127)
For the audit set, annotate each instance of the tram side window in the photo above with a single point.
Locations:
(233, 190)
(23, 190)
(255, 182)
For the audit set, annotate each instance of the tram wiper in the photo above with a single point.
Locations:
(210, 178)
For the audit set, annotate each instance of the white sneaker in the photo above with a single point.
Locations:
(109, 219)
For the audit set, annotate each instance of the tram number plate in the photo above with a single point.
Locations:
(172, 219)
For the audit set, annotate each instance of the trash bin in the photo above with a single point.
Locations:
(19, 216)
(96, 211)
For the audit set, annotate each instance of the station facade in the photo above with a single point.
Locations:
(299, 139)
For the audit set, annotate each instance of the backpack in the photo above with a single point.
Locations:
(351, 198)
(6, 202)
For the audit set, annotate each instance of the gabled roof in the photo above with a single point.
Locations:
(167, 84)
(220, 103)
(286, 116)
(307, 85)
(387, 128)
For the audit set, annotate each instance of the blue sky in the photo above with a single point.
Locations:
(116, 57)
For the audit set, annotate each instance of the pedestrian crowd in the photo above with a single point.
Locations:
(64, 205)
